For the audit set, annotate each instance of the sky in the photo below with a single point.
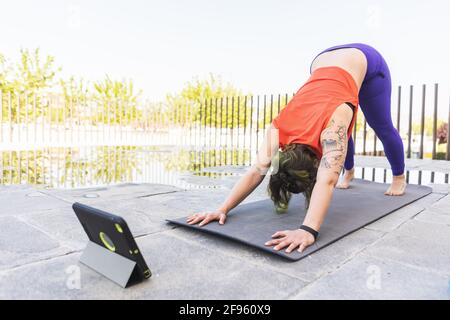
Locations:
(260, 46)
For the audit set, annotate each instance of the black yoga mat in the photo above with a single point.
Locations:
(351, 209)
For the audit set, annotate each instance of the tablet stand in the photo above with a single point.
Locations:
(113, 266)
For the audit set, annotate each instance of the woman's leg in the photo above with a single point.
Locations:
(376, 106)
(375, 102)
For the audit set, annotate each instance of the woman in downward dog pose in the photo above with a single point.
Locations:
(309, 142)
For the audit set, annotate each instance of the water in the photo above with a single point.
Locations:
(94, 166)
(187, 168)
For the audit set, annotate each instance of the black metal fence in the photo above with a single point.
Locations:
(47, 139)
(421, 139)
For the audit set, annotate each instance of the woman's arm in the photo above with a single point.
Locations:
(334, 147)
(247, 183)
(255, 175)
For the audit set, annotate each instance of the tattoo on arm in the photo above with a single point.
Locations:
(334, 146)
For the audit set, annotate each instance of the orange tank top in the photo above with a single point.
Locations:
(307, 114)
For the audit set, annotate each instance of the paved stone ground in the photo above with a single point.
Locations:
(405, 255)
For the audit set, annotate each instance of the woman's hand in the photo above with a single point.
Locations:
(292, 239)
(206, 217)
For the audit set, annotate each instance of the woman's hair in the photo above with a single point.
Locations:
(297, 171)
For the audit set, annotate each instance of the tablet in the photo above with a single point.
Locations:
(112, 232)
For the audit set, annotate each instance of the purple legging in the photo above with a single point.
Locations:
(375, 103)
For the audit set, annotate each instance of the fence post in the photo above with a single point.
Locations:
(245, 126)
(435, 119)
(1, 118)
(408, 155)
(271, 108)
(354, 132)
(251, 127)
(448, 132)
(279, 104)
(422, 121)
(399, 103)
(26, 118)
(264, 116)
(18, 117)
(364, 137)
(10, 117)
(34, 120)
(232, 130)
(215, 133)
(374, 143)
(210, 130)
(257, 123)
(238, 125)
(221, 131)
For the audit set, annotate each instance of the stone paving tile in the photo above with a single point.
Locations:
(141, 218)
(232, 278)
(144, 215)
(440, 187)
(175, 205)
(114, 192)
(416, 243)
(58, 278)
(208, 182)
(62, 224)
(21, 243)
(367, 277)
(179, 271)
(24, 201)
(428, 200)
(442, 205)
(308, 269)
(434, 217)
(191, 201)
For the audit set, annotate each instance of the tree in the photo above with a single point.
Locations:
(76, 94)
(33, 74)
(117, 101)
(22, 84)
(205, 101)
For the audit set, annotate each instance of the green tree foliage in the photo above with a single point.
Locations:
(205, 101)
(29, 86)
(33, 73)
(76, 95)
(117, 101)
(4, 72)
(23, 84)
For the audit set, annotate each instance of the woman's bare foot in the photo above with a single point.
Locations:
(397, 187)
(344, 183)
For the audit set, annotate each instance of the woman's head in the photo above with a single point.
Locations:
(297, 170)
